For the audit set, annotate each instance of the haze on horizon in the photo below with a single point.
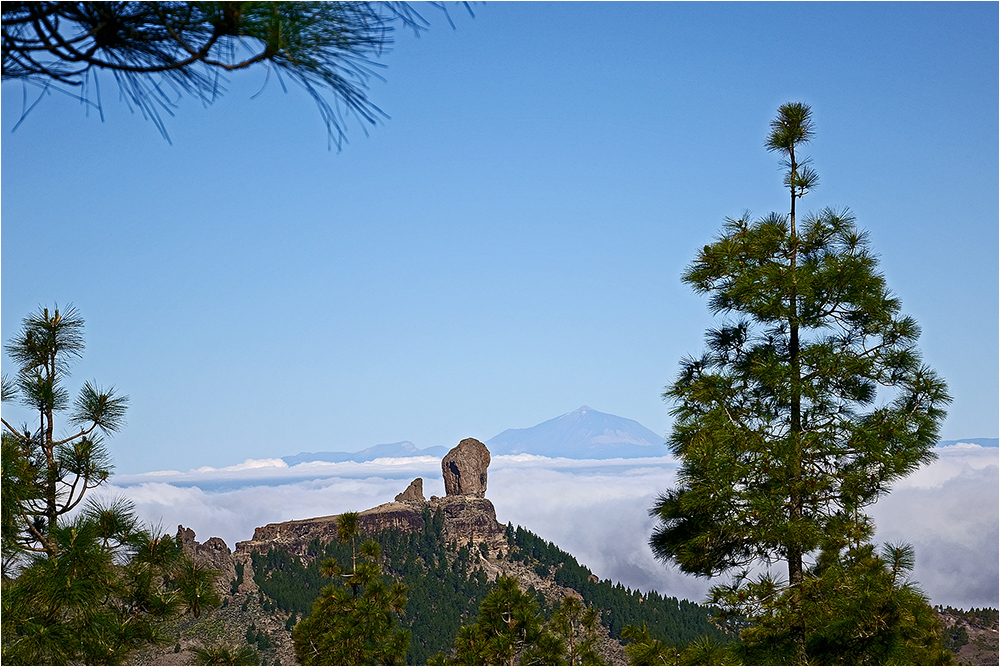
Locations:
(550, 479)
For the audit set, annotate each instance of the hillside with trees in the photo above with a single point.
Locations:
(446, 583)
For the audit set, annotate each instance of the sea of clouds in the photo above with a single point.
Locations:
(596, 510)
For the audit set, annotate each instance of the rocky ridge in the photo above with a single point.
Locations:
(469, 517)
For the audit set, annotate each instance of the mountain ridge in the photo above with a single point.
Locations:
(402, 449)
(584, 433)
(449, 552)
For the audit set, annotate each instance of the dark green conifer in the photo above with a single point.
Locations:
(355, 620)
(575, 625)
(508, 631)
(93, 588)
(809, 403)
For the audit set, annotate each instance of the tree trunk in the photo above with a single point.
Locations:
(794, 550)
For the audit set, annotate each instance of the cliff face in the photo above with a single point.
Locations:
(469, 519)
(468, 515)
(466, 519)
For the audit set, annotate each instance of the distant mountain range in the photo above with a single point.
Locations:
(403, 449)
(584, 433)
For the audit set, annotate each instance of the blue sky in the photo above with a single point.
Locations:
(507, 247)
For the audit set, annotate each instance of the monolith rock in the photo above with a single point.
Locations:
(464, 469)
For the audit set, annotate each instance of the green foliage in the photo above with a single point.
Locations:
(354, 621)
(575, 626)
(443, 588)
(45, 476)
(95, 588)
(103, 596)
(987, 617)
(805, 408)
(954, 638)
(290, 623)
(234, 585)
(185, 47)
(678, 622)
(508, 631)
(643, 649)
(859, 608)
(221, 654)
(446, 587)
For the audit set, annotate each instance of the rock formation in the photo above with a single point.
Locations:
(468, 515)
(464, 469)
(414, 492)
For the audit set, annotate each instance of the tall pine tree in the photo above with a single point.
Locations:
(82, 583)
(810, 401)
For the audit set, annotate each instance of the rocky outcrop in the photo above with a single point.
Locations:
(404, 517)
(470, 519)
(464, 469)
(414, 492)
(292, 536)
(467, 515)
(213, 553)
(466, 519)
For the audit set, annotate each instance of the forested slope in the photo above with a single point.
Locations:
(448, 582)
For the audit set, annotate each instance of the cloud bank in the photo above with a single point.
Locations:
(596, 510)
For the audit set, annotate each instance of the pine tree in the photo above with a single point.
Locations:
(355, 620)
(858, 607)
(641, 648)
(45, 475)
(159, 51)
(508, 631)
(807, 405)
(95, 587)
(575, 624)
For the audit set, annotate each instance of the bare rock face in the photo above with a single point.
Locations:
(470, 520)
(414, 492)
(464, 469)
(213, 553)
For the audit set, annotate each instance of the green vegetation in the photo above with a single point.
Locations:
(46, 476)
(159, 51)
(508, 631)
(859, 609)
(95, 588)
(575, 627)
(804, 411)
(443, 587)
(354, 621)
(446, 585)
(644, 649)
(987, 617)
(677, 622)
(220, 654)
(957, 636)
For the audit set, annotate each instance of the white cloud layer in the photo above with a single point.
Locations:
(595, 510)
